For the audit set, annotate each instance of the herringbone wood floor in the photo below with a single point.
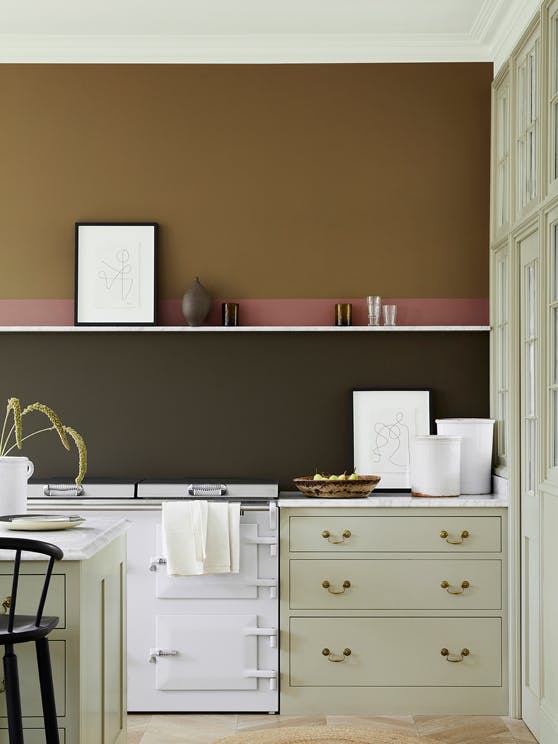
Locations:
(206, 729)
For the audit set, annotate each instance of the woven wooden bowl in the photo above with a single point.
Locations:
(337, 489)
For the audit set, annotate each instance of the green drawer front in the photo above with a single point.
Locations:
(321, 584)
(29, 679)
(394, 652)
(32, 736)
(29, 592)
(432, 534)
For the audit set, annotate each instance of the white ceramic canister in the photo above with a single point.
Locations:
(476, 451)
(14, 474)
(435, 468)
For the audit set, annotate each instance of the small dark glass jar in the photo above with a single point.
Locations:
(343, 314)
(229, 314)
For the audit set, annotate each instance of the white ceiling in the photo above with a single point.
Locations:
(239, 16)
(258, 30)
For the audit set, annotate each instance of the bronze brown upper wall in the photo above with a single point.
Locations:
(267, 181)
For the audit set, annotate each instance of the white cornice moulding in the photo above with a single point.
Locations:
(243, 49)
(507, 24)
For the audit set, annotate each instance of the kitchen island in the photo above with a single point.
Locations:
(88, 647)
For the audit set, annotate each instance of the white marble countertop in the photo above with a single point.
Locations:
(78, 543)
(293, 500)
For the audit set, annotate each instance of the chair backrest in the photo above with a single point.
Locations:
(20, 544)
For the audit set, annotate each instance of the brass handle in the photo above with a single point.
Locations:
(453, 657)
(332, 590)
(2, 685)
(6, 602)
(454, 540)
(332, 656)
(454, 589)
(335, 539)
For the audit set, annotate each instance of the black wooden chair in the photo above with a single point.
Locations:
(22, 628)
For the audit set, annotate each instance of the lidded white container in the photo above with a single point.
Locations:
(476, 451)
(435, 468)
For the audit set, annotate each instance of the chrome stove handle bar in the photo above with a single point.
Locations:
(69, 490)
(207, 489)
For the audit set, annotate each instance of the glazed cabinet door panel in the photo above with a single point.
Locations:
(395, 652)
(501, 161)
(527, 124)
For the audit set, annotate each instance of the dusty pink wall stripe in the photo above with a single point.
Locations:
(410, 311)
(36, 312)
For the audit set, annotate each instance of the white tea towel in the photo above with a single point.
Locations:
(184, 528)
(201, 537)
(218, 543)
(234, 536)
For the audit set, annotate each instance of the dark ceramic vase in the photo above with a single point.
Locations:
(196, 304)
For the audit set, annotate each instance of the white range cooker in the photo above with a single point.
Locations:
(195, 643)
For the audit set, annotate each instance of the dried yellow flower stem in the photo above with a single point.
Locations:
(57, 425)
(13, 405)
(52, 417)
(82, 451)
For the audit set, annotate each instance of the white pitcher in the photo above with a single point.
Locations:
(14, 474)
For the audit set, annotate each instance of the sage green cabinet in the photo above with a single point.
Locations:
(88, 648)
(393, 610)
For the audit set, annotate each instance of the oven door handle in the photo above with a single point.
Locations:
(156, 560)
(155, 652)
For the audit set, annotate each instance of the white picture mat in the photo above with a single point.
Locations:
(385, 424)
(116, 280)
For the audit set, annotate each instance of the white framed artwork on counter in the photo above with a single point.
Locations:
(385, 424)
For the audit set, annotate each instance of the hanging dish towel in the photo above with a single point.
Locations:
(184, 529)
(201, 537)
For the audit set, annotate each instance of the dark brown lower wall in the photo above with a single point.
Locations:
(273, 405)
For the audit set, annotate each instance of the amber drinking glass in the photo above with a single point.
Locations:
(343, 311)
(229, 314)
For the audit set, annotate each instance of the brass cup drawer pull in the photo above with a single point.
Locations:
(455, 658)
(334, 590)
(444, 534)
(332, 656)
(450, 589)
(335, 539)
(6, 602)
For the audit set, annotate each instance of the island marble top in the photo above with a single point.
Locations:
(78, 543)
(294, 499)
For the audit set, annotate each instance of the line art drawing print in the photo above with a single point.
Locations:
(120, 272)
(391, 440)
(117, 280)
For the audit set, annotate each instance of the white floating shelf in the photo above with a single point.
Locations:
(234, 329)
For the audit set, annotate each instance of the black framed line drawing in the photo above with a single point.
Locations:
(116, 273)
(385, 424)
